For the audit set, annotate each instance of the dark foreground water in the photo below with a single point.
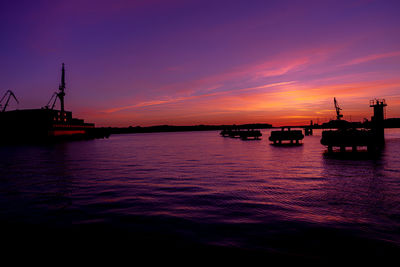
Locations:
(196, 192)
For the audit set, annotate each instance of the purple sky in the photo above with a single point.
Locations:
(211, 62)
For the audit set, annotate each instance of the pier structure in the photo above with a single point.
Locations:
(353, 138)
(308, 130)
(288, 136)
(250, 134)
(378, 119)
(233, 133)
(242, 134)
(348, 138)
(224, 133)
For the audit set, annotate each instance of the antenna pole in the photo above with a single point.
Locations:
(61, 94)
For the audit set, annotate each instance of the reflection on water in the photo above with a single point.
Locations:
(207, 180)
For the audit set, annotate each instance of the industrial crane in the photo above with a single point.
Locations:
(60, 95)
(54, 99)
(338, 109)
(10, 94)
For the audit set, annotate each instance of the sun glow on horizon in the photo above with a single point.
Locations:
(186, 63)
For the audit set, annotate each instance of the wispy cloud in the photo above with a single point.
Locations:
(274, 67)
(272, 71)
(183, 98)
(372, 57)
(145, 104)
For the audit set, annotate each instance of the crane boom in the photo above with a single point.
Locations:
(60, 94)
(54, 99)
(10, 94)
(338, 109)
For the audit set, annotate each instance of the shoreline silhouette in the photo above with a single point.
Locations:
(173, 128)
(389, 123)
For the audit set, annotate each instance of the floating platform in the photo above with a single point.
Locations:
(242, 134)
(250, 134)
(346, 137)
(226, 133)
(308, 130)
(286, 137)
(349, 138)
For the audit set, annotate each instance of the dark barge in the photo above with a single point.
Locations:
(347, 137)
(46, 124)
(287, 137)
(242, 134)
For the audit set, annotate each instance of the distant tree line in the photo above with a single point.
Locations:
(172, 128)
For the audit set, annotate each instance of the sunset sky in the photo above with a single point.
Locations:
(188, 62)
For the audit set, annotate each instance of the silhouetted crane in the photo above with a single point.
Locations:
(60, 95)
(54, 99)
(338, 109)
(10, 94)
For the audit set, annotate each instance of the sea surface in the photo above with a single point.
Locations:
(198, 191)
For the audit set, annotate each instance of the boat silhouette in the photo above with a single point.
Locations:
(347, 136)
(286, 137)
(47, 123)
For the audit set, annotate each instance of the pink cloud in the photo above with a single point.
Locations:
(184, 98)
(372, 57)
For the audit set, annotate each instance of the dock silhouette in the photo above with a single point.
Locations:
(45, 124)
(346, 136)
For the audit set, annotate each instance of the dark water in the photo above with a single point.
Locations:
(198, 191)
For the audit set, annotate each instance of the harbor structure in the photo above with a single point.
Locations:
(350, 137)
(308, 130)
(47, 123)
(7, 97)
(288, 136)
(242, 133)
(378, 119)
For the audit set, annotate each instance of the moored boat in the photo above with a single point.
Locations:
(46, 124)
(354, 138)
(289, 136)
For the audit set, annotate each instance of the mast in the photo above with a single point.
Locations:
(61, 94)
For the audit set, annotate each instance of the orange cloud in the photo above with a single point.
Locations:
(178, 99)
(224, 97)
(283, 103)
